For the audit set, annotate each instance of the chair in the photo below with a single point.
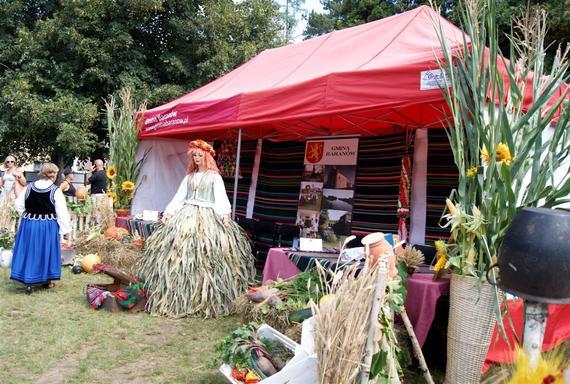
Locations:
(286, 233)
(263, 237)
(246, 224)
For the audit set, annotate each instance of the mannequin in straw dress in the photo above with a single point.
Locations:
(199, 261)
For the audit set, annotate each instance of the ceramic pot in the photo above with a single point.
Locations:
(121, 212)
(5, 258)
(375, 245)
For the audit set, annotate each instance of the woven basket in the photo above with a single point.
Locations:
(471, 322)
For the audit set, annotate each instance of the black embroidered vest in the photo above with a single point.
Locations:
(40, 203)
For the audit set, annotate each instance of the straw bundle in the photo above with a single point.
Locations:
(250, 311)
(7, 213)
(342, 324)
(123, 256)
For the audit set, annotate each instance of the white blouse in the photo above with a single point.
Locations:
(60, 205)
(222, 204)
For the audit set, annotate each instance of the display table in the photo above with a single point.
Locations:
(137, 227)
(421, 299)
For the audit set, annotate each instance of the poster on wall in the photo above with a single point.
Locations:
(326, 196)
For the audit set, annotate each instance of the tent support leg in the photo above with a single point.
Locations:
(236, 177)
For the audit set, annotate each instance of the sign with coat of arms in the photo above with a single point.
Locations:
(326, 197)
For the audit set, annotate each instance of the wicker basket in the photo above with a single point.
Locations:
(471, 322)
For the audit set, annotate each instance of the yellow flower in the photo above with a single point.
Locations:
(548, 369)
(471, 172)
(441, 248)
(485, 158)
(440, 264)
(112, 195)
(111, 172)
(503, 154)
(128, 186)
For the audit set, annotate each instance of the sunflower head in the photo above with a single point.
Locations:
(471, 172)
(111, 172)
(503, 154)
(128, 186)
(112, 195)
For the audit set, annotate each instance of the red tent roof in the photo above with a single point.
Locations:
(369, 79)
(363, 79)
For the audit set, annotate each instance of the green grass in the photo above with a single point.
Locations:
(54, 336)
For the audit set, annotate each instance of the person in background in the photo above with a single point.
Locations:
(44, 217)
(97, 178)
(66, 185)
(13, 180)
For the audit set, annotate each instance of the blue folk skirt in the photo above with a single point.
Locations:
(37, 254)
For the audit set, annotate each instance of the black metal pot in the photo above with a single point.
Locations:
(534, 259)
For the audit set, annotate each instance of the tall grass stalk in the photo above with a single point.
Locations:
(508, 154)
(124, 143)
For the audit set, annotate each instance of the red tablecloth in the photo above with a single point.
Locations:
(557, 331)
(422, 297)
(122, 221)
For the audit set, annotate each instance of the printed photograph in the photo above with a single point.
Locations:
(334, 223)
(340, 176)
(339, 199)
(310, 196)
(314, 173)
(309, 223)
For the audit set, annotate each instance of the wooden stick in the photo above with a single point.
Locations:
(416, 345)
(536, 315)
(378, 294)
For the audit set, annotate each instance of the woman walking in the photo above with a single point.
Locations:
(44, 217)
(200, 260)
(13, 181)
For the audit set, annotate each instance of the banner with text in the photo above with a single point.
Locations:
(326, 197)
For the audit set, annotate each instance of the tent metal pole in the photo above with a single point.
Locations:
(238, 153)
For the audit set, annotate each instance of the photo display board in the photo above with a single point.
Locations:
(326, 197)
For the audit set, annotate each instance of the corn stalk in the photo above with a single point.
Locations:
(505, 157)
(123, 137)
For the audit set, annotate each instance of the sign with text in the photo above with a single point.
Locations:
(326, 196)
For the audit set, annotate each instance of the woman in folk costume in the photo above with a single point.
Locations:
(37, 254)
(199, 261)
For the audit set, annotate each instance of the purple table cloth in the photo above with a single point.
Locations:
(421, 299)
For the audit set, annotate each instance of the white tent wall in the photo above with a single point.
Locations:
(161, 173)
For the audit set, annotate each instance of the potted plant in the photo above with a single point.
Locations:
(7, 240)
(124, 168)
(508, 157)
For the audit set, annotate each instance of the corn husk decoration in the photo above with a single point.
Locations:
(194, 265)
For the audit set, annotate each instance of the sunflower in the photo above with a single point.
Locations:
(111, 172)
(112, 195)
(471, 172)
(485, 158)
(128, 186)
(503, 154)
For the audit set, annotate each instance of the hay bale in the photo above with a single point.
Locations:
(118, 254)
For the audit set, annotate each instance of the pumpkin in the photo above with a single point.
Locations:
(81, 193)
(116, 233)
(88, 261)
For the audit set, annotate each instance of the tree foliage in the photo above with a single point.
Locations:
(59, 59)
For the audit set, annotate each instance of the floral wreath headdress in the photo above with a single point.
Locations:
(201, 144)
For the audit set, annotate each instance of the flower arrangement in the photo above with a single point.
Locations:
(508, 156)
(124, 168)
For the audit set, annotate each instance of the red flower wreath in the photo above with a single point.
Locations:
(201, 144)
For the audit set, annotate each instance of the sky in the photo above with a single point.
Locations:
(310, 5)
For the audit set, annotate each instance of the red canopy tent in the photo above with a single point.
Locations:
(366, 80)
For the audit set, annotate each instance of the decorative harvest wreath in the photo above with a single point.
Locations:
(201, 144)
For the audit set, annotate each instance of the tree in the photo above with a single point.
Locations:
(60, 59)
